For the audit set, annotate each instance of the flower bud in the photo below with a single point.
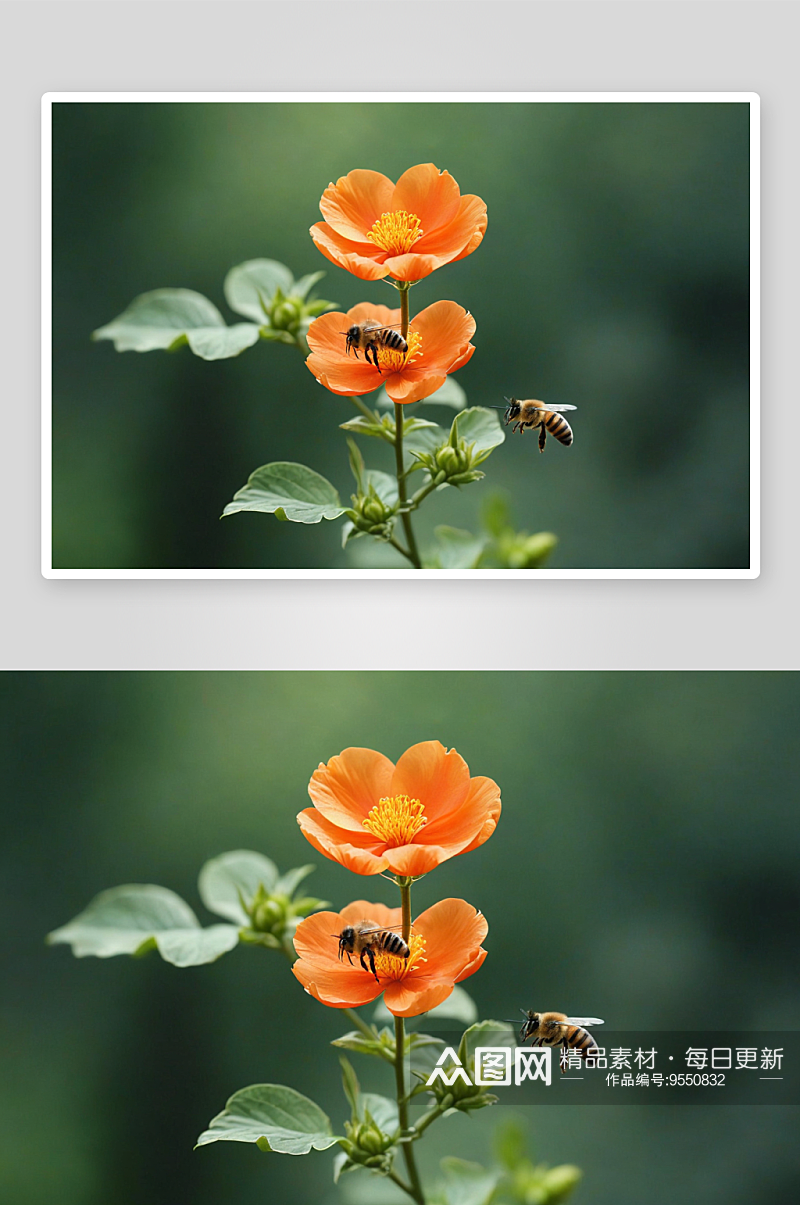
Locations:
(366, 1142)
(268, 914)
(286, 314)
(450, 460)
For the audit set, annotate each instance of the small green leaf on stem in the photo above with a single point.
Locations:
(274, 1117)
(301, 494)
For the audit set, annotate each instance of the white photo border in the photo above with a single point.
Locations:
(750, 98)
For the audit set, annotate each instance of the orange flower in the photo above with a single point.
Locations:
(445, 947)
(438, 344)
(375, 228)
(372, 816)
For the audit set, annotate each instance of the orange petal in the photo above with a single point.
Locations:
(363, 910)
(411, 266)
(404, 389)
(409, 998)
(432, 195)
(339, 987)
(464, 824)
(417, 859)
(314, 938)
(472, 966)
(490, 793)
(446, 330)
(453, 932)
(346, 379)
(355, 257)
(342, 845)
(349, 786)
(356, 201)
(461, 235)
(438, 777)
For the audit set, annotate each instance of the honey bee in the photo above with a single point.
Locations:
(535, 414)
(369, 336)
(365, 938)
(556, 1029)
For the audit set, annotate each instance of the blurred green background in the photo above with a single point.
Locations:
(644, 870)
(614, 276)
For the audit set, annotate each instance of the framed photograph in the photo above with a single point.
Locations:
(400, 335)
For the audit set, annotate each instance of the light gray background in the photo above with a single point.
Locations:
(411, 46)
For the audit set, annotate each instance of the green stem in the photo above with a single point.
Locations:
(402, 1111)
(413, 551)
(395, 544)
(359, 1023)
(365, 410)
(422, 1124)
(400, 1182)
(405, 903)
(420, 494)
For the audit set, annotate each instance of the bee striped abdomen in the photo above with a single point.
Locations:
(558, 427)
(392, 943)
(395, 341)
(579, 1039)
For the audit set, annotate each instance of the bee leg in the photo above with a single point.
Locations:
(371, 958)
(542, 437)
(374, 347)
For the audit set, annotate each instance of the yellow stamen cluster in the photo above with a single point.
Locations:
(396, 820)
(396, 232)
(391, 966)
(395, 361)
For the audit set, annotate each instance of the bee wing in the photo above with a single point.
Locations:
(583, 1021)
(386, 327)
(378, 929)
(557, 409)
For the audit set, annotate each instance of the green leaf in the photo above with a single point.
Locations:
(459, 1006)
(485, 1033)
(362, 426)
(274, 1117)
(137, 917)
(384, 484)
(482, 428)
(352, 1088)
(349, 532)
(356, 1040)
(455, 549)
(381, 1109)
(248, 283)
(302, 287)
(356, 463)
(425, 439)
(288, 883)
(300, 494)
(232, 877)
(166, 318)
(450, 394)
(468, 1183)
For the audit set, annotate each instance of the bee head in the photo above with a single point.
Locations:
(529, 1025)
(353, 334)
(347, 941)
(512, 409)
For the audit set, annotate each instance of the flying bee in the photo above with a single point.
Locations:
(365, 939)
(535, 414)
(369, 336)
(556, 1029)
